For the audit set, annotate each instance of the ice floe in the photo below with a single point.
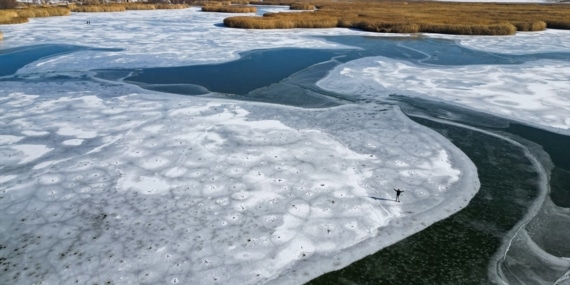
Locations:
(535, 92)
(164, 188)
(522, 43)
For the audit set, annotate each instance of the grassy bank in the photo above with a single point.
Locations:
(123, 7)
(229, 9)
(21, 15)
(418, 17)
(18, 16)
(302, 6)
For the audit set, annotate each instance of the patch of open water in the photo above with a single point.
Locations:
(256, 74)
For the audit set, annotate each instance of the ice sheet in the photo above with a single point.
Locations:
(154, 38)
(522, 43)
(164, 189)
(535, 92)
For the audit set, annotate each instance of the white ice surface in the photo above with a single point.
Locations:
(536, 93)
(521, 43)
(174, 189)
(154, 38)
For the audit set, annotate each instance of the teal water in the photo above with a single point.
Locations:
(252, 71)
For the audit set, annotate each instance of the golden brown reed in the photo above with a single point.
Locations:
(99, 8)
(302, 6)
(11, 21)
(120, 7)
(274, 2)
(210, 4)
(414, 17)
(279, 21)
(19, 16)
(170, 6)
(6, 16)
(229, 9)
(240, 2)
(139, 6)
(214, 3)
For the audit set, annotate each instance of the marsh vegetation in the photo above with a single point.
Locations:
(417, 17)
(384, 17)
(229, 9)
(22, 14)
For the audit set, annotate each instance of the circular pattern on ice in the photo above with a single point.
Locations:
(170, 189)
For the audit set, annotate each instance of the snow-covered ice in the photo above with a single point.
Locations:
(105, 182)
(161, 188)
(535, 93)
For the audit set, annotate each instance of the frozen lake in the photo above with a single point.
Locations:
(146, 148)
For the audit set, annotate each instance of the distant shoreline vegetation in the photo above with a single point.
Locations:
(414, 17)
(21, 15)
(367, 15)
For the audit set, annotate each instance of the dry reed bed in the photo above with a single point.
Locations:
(240, 2)
(229, 9)
(123, 7)
(274, 2)
(417, 17)
(18, 16)
(170, 6)
(302, 6)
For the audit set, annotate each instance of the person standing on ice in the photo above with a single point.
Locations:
(398, 192)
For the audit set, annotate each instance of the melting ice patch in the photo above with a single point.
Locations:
(172, 189)
(522, 43)
(535, 92)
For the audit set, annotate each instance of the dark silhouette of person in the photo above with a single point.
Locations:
(398, 192)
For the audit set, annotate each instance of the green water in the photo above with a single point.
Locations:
(458, 249)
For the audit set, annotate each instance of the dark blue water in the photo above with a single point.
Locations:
(252, 71)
